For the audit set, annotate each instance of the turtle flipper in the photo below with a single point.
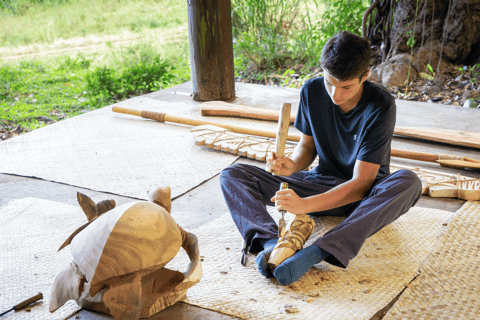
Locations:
(91, 209)
(67, 285)
(124, 301)
(87, 205)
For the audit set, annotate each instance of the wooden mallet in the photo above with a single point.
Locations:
(282, 131)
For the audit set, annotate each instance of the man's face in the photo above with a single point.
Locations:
(344, 94)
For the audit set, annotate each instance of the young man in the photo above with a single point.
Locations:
(348, 122)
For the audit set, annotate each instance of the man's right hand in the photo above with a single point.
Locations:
(283, 165)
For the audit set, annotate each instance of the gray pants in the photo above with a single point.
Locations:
(248, 189)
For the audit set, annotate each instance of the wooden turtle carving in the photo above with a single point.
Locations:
(119, 259)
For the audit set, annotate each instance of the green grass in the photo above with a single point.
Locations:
(32, 90)
(129, 49)
(28, 22)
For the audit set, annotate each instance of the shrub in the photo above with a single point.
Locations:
(277, 34)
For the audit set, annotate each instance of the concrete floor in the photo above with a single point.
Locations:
(411, 114)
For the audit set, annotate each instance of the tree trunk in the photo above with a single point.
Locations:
(211, 49)
(441, 32)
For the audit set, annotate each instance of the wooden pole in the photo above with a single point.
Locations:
(211, 49)
(162, 117)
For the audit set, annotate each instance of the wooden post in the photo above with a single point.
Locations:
(211, 49)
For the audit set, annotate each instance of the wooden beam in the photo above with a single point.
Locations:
(211, 49)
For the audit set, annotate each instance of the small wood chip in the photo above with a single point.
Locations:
(292, 310)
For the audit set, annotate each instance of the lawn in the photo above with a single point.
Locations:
(60, 59)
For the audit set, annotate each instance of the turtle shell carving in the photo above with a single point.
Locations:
(142, 233)
(119, 259)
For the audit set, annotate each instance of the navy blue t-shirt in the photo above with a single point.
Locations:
(364, 133)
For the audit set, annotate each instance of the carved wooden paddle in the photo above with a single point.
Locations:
(162, 117)
(445, 160)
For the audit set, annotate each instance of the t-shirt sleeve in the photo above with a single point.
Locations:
(376, 145)
(301, 122)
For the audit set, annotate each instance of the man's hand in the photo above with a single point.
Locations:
(283, 165)
(289, 201)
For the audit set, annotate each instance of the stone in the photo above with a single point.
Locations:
(440, 80)
(397, 71)
(467, 95)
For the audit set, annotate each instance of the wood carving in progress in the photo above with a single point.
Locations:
(253, 147)
(119, 258)
(298, 230)
(444, 185)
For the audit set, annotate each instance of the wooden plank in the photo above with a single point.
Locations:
(453, 137)
(225, 109)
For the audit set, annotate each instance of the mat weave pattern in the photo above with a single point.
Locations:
(122, 154)
(31, 231)
(448, 286)
(388, 261)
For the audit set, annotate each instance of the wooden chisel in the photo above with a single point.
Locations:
(25, 303)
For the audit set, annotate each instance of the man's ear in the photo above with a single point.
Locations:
(365, 76)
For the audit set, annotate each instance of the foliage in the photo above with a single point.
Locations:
(278, 34)
(429, 74)
(473, 70)
(20, 7)
(33, 90)
(343, 15)
(36, 92)
(264, 31)
(44, 21)
(143, 71)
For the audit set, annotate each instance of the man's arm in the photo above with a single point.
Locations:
(364, 174)
(303, 156)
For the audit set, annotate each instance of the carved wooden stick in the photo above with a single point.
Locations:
(162, 117)
(282, 131)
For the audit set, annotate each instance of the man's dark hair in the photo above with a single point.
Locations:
(346, 56)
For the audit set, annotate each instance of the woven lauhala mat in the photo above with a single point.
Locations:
(388, 261)
(122, 154)
(448, 286)
(31, 231)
